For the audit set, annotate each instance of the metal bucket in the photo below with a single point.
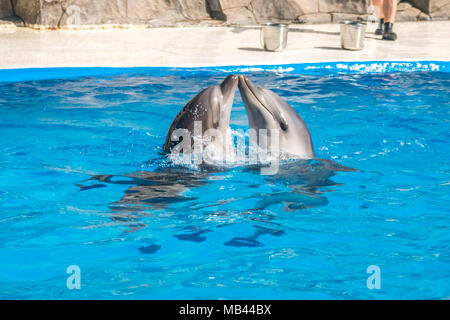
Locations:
(352, 35)
(274, 36)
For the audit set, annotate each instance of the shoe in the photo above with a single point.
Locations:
(380, 30)
(388, 34)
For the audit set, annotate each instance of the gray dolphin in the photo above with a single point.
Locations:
(212, 106)
(267, 110)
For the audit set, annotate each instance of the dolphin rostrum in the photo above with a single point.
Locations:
(267, 110)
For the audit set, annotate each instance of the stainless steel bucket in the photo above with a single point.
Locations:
(352, 35)
(274, 36)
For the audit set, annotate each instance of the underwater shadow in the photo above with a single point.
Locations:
(159, 189)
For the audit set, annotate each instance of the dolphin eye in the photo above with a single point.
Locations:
(283, 122)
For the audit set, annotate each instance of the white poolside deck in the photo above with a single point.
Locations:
(212, 46)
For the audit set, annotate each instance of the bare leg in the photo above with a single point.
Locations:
(389, 10)
(379, 13)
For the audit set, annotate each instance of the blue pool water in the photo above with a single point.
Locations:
(83, 182)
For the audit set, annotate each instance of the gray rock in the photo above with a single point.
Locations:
(338, 17)
(215, 10)
(437, 5)
(422, 5)
(306, 7)
(233, 4)
(62, 13)
(442, 13)
(344, 6)
(239, 16)
(155, 12)
(424, 17)
(281, 10)
(231, 11)
(404, 5)
(315, 18)
(429, 6)
(51, 14)
(28, 10)
(5, 8)
(410, 14)
(14, 20)
(193, 9)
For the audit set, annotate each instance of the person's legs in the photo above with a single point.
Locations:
(379, 4)
(389, 11)
(380, 15)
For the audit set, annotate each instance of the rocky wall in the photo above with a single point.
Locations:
(70, 13)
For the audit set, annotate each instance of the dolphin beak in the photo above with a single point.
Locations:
(243, 80)
(248, 89)
(229, 85)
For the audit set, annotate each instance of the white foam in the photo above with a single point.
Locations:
(237, 152)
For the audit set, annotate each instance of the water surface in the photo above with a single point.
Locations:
(83, 182)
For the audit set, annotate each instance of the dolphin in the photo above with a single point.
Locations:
(267, 110)
(211, 107)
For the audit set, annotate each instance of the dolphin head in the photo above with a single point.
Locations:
(211, 107)
(267, 110)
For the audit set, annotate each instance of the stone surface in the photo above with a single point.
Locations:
(281, 10)
(5, 8)
(229, 4)
(410, 14)
(436, 5)
(423, 10)
(15, 20)
(442, 13)
(57, 13)
(338, 17)
(239, 16)
(423, 5)
(192, 47)
(7, 26)
(152, 12)
(214, 8)
(344, 6)
(404, 5)
(28, 10)
(424, 17)
(315, 18)
(193, 9)
(86, 12)
(51, 13)
(78, 13)
(429, 6)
